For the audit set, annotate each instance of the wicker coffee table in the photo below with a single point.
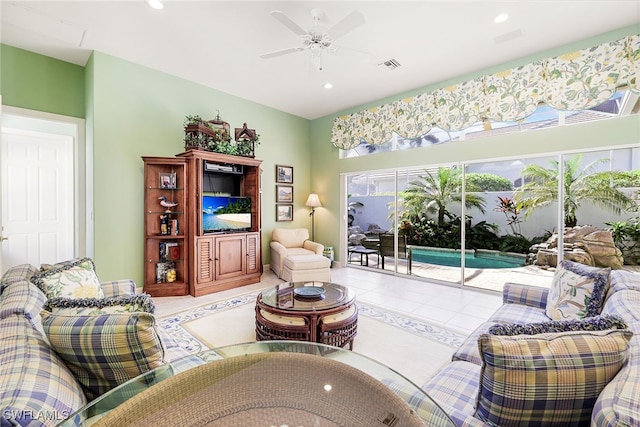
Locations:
(269, 383)
(307, 311)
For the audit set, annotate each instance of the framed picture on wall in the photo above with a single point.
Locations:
(284, 194)
(284, 212)
(284, 174)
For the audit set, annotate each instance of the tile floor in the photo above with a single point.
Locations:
(461, 310)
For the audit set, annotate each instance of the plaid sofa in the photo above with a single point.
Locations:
(455, 387)
(36, 387)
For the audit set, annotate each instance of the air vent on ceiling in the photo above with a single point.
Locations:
(391, 64)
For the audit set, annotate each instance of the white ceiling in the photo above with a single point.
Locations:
(218, 43)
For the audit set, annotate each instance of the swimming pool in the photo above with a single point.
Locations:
(473, 259)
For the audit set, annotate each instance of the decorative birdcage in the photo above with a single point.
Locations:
(214, 135)
(246, 140)
(221, 129)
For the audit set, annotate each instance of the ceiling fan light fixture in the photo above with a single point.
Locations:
(316, 40)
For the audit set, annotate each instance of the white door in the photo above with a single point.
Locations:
(36, 175)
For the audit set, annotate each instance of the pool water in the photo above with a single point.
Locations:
(473, 259)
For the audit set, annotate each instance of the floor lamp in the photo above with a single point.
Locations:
(313, 201)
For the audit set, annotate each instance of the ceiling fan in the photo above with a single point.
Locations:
(315, 40)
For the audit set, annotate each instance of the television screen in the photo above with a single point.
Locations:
(225, 213)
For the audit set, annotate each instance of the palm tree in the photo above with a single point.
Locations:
(431, 193)
(581, 184)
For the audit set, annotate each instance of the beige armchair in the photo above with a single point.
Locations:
(287, 242)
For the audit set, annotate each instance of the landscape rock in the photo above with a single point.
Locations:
(584, 244)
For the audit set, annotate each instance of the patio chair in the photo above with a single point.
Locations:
(387, 245)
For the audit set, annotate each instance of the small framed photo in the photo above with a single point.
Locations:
(167, 180)
(284, 174)
(285, 295)
(284, 212)
(285, 300)
(284, 194)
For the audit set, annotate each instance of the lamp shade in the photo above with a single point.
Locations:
(313, 201)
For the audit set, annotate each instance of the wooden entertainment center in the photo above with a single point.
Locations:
(204, 262)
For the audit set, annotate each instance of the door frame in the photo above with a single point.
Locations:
(82, 165)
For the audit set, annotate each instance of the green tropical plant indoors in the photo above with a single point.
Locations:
(581, 185)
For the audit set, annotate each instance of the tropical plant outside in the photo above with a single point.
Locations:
(626, 236)
(432, 192)
(488, 182)
(427, 232)
(511, 211)
(581, 185)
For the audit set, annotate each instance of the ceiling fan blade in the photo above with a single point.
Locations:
(280, 52)
(348, 24)
(287, 22)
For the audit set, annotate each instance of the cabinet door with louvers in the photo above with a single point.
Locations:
(204, 258)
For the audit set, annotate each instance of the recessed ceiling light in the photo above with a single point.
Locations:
(500, 18)
(156, 4)
(328, 86)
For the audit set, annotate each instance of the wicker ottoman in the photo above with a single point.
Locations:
(271, 326)
(303, 268)
(339, 329)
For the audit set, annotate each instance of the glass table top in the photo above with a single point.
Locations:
(307, 296)
(258, 381)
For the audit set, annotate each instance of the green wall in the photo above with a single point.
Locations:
(37, 82)
(136, 111)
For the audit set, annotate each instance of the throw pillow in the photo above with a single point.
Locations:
(596, 323)
(95, 306)
(106, 350)
(73, 279)
(44, 267)
(546, 379)
(577, 291)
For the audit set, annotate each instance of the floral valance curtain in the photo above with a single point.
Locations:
(574, 81)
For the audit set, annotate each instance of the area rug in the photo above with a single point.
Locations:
(408, 345)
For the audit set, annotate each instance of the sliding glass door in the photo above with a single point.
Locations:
(483, 223)
(500, 232)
